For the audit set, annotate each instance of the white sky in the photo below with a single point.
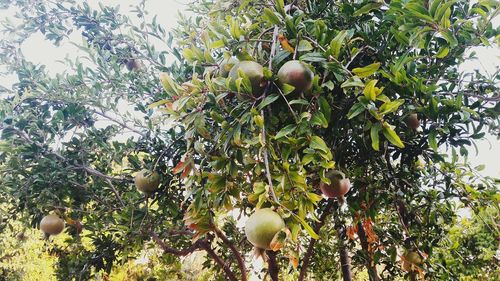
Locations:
(40, 51)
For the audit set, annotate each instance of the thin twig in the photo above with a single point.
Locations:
(264, 149)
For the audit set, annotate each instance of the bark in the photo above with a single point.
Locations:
(239, 258)
(272, 269)
(345, 260)
(372, 270)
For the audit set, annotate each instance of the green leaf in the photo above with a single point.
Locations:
(433, 140)
(374, 135)
(319, 120)
(313, 57)
(367, 70)
(355, 110)
(270, 17)
(443, 52)
(168, 84)
(419, 11)
(353, 82)
(304, 46)
(449, 37)
(307, 227)
(325, 108)
(370, 91)
(156, 104)
(367, 8)
(287, 89)
(391, 136)
(267, 101)
(337, 43)
(442, 10)
(319, 144)
(280, 7)
(285, 131)
(389, 107)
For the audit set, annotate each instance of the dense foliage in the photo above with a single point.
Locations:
(387, 108)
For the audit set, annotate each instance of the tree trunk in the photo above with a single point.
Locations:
(345, 260)
(372, 270)
(272, 265)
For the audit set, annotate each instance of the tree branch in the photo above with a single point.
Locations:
(345, 260)
(239, 258)
(264, 149)
(372, 270)
(174, 251)
(310, 247)
(227, 270)
(272, 265)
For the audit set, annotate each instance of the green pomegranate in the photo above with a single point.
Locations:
(297, 74)
(147, 181)
(226, 65)
(51, 224)
(261, 227)
(254, 72)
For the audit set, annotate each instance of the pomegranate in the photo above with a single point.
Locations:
(261, 227)
(412, 121)
(147, 181)
(297, 74)
(52, 224)
(338, 187)
(254, 72)
(226, 65)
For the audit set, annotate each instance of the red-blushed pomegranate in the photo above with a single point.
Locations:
(147, 181)
(261, 227)
(297, 74)
(254, 72)
(51, 224)
(338, 187)
(412, 121)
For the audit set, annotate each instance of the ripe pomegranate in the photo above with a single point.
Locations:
(147, 181)
(338, 187)
(412, 121)
(254, 72)
(261, 227)
(297, 74)
(51, 224)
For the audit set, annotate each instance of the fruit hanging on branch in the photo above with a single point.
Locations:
(262, 226)
(51, 225)
(253, 71)
(412, 121)
(338, 187)
(296, 74)
(147, 181)
(226, 65)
